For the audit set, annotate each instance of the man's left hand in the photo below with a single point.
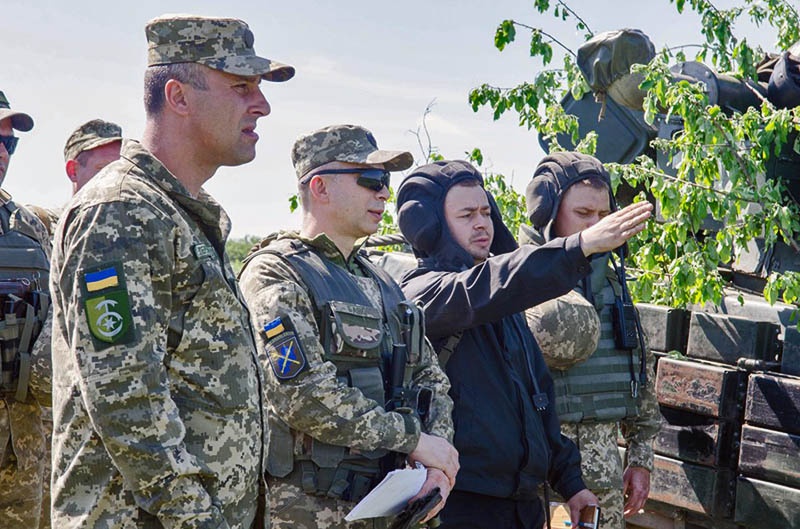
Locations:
(578, 502)
(636, 486)
(436, 478)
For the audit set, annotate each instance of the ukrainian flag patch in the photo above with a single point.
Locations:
(286, 357)
(101, 279)
(107, 305)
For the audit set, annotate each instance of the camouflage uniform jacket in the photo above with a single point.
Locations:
(315, 402)
(164, 427)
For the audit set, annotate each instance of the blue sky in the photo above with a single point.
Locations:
(375, 63)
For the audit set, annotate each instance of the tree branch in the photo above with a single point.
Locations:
(546, 34)
(573, 13)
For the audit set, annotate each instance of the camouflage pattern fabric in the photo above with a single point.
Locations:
(224, 44)
(315, 403)
(47, 427)
(567, 329)
(166, 427)
(291, 508)
(640, 431)
(344, 143)
(90, 135)
(41, 384)
(48, 216)
(22, 453)
(601, 467)
(24, 467)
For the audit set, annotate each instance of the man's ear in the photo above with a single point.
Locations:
(318, 188)
(175, 97)
(72, 171)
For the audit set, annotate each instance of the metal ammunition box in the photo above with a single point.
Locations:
(701, 387)
(760, 504)
(697, 439)
(726, 339)
(770, 455)
(773, 402)
(666, 329)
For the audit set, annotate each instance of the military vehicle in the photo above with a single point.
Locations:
(728, 376)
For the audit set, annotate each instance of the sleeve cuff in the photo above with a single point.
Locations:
(639, 455)
(571, 487)
(572, 245)
(413, 429)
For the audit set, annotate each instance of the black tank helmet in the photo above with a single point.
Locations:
(420, 214)
(553, 176)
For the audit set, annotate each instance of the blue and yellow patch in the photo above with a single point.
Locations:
(101, 279)
(107, 305)
(286, 356)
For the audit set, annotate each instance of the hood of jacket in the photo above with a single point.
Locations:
(420, 214)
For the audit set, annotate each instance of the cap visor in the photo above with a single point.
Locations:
(19, 120)
(392, 160)
(253, 65)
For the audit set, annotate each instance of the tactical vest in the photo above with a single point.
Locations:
(24, 276)
(600, 389)
(358, 338)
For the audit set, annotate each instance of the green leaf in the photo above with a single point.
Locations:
(506, 32)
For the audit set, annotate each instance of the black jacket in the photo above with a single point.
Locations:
(507, 447)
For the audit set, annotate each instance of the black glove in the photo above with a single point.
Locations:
(416, 511)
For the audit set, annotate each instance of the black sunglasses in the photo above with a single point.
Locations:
(10, 143)
(374, 179)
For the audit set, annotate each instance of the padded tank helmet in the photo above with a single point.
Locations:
(553, 176)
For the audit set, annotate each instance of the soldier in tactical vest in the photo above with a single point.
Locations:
(24, 343)
(352, 381)
(591, 342)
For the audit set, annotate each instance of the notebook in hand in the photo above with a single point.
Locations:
(559, 516)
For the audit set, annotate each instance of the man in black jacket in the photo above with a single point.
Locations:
(474, 282)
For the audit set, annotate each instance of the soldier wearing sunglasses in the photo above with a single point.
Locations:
(340, 346)
(24, 342)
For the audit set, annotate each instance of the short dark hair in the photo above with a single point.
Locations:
(595, 182)
(469, 182)
(156, 77)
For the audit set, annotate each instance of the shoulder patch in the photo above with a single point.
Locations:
(107, 304)
(286, 356)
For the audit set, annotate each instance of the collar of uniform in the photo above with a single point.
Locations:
(204, 206)
(5, 197)
(137, 154)
(328, 248)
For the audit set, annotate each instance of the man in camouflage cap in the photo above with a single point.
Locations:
(159, 403)
(89, 148)
(326, 320)
(25, 344)
(601, 385)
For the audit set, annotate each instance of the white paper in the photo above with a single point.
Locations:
(391, 495)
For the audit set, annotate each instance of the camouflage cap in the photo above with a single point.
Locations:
(344, 143)
(567, 329)
(90, 135)
(19, 120)
(224, 44)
